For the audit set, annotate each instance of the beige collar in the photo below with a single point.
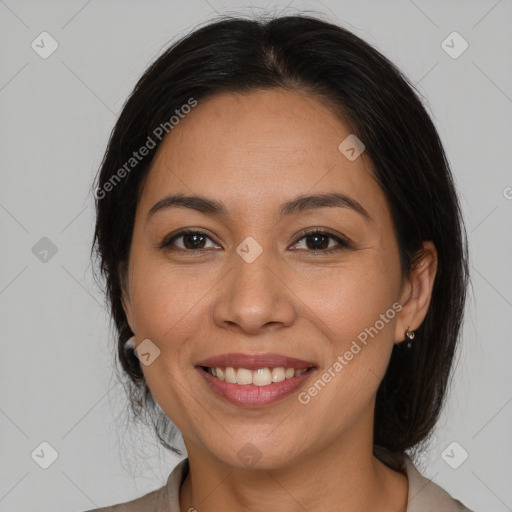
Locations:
(424, 495)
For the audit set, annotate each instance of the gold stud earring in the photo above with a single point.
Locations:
(410, 334)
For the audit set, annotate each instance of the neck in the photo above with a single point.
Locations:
(344, 477)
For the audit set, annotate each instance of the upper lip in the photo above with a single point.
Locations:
(255, 361)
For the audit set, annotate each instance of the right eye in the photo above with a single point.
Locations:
(192, 241)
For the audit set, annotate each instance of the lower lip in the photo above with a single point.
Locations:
(250, 395)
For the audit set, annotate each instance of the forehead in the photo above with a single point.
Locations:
(260, 148)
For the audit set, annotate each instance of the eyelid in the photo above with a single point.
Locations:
(341, 239)
(166, 241)
(343, 242)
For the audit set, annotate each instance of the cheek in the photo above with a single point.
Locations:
(351, 300)
(355, 308)
(167, 299)
(357, 317)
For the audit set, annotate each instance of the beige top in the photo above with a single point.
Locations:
(424, 495)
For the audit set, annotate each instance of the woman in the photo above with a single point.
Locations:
(286, 265)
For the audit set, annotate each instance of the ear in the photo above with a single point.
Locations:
(417, 291)
(125, 293)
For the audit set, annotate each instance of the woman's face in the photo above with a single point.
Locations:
(253, 282)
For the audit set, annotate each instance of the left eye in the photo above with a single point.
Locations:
(320, 241)
(196, 240)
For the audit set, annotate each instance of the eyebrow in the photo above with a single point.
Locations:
(297, 205)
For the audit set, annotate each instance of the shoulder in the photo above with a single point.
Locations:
(425, 495)
(147, 503)
(165, 499)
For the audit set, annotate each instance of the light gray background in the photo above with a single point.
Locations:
(57, 383)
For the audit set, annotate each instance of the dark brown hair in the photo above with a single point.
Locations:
(304, 53)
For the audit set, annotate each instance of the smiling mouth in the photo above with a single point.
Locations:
(258, 377)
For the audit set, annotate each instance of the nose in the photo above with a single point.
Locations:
(254, 296)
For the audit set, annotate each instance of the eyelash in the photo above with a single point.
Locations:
(342, 244)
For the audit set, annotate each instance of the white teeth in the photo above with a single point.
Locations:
(278, 375)
(243, 376)
(259, 377)
(230, 375)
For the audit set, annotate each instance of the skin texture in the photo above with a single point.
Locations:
(253, 152)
